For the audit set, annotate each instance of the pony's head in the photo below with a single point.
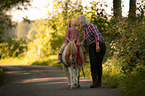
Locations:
(71, 52)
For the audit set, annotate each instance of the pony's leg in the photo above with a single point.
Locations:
(71, 75)
(67, 74)
(74, 76)
(78, 75)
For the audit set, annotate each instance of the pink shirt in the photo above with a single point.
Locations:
(72, 34)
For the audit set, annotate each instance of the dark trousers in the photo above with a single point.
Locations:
(96, 59)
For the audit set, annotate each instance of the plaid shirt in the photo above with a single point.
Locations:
(91, 34)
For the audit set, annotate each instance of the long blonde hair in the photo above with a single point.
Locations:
(83, 20)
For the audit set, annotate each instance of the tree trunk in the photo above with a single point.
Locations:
(132, 10)
(117, 9)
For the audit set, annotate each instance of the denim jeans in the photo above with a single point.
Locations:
(96, 59)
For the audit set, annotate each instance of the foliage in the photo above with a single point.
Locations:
(31, 59)
(133, 85)
(31, 34)
(130, 84)
(128, 42)
(7, 5)
(112, 71)
(125, 69)
(13, 47)
(23, 28)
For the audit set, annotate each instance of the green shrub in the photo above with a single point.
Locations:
(112, 71)
(133, 85)
(12, 47)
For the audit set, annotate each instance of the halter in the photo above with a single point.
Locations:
(79, 57)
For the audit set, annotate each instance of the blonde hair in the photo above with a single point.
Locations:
(71, 48)
(83, 20)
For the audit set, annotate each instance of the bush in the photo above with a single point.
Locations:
(112, 71)
(133, 85)
(125, 70)
(12, 47)
(129, 83)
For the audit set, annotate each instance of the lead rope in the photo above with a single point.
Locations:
(81, 61)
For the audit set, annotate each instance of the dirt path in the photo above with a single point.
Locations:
(45, 81)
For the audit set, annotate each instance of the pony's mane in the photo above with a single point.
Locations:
(71, 48)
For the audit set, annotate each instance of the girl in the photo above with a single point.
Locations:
(72, 34)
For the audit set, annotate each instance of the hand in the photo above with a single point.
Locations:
(97, 48)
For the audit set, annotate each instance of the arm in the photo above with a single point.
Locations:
(97, 47)
(84, 40)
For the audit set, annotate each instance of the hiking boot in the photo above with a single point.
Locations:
(94, 86)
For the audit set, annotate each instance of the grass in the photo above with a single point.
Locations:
(31, 60)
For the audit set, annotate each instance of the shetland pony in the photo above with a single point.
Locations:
(71, 64)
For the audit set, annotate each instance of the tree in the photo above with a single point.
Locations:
(117, 9)
(6, 5)
(132, 10)
(22, 29)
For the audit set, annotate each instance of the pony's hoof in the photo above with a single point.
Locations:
(68, 85)
(71, 87)
(78, 86)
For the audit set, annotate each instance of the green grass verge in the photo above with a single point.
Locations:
(31, 60)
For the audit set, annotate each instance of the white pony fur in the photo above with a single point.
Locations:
(70, 71)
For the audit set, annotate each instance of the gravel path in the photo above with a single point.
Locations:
(45, 81)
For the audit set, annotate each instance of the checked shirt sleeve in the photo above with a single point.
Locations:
(98, 36)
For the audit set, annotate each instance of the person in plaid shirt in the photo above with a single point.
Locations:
(97, 48)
